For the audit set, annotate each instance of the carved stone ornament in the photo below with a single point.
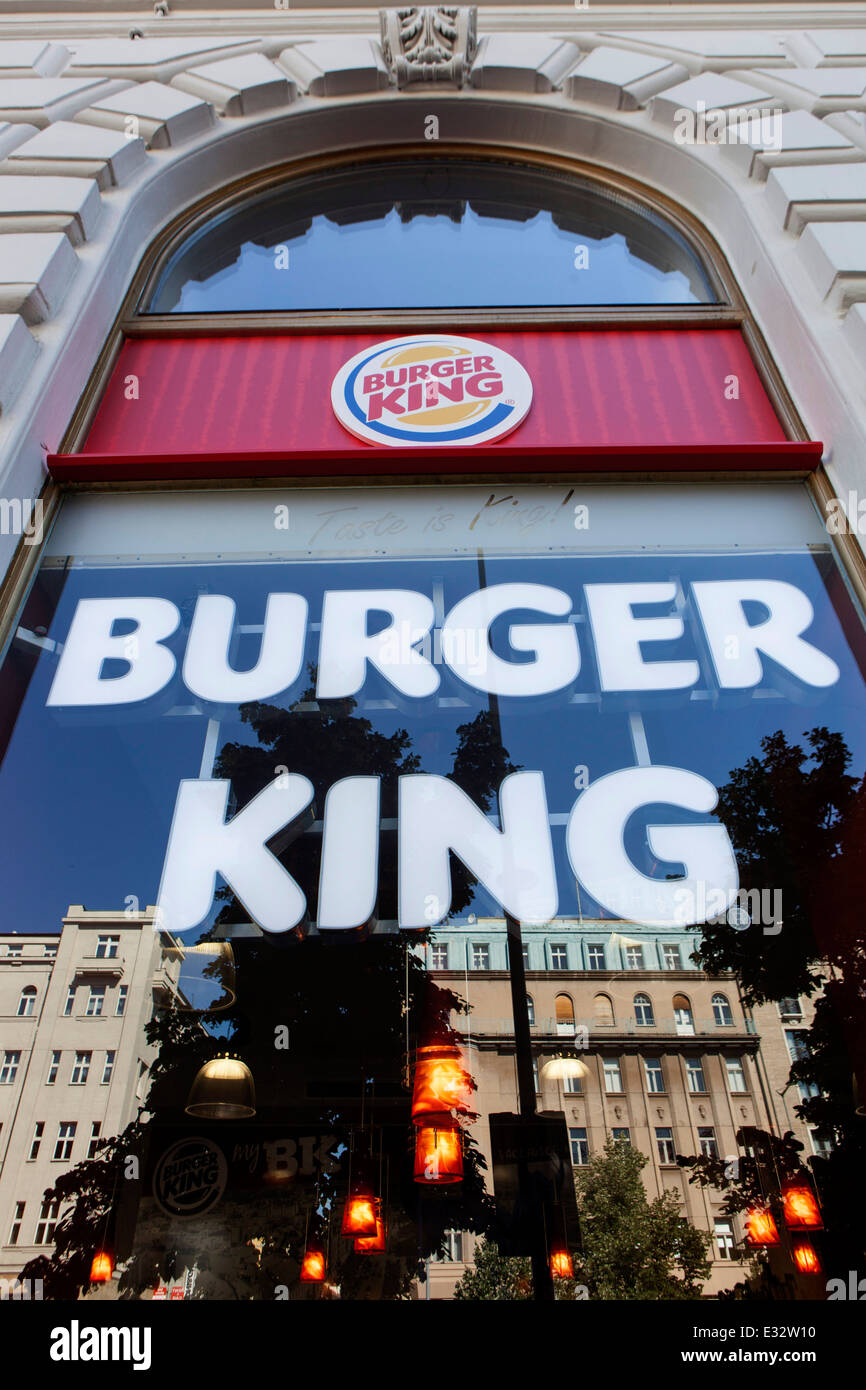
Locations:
(433, 43)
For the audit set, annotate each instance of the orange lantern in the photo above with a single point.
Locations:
(560, 1265)
(801, 1208)
(359, 1217)
(806, 1257)
(441, 1082)
(438, 1154)
(760, 1227)
(101, 1267)
(370, 1245)
(313, 1267)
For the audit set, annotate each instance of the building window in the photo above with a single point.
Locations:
(439, 956)
(95, 1001)
(595, 957)
(47, 1223)
(643, 1011)
(612, 1075)
(120, 1010)
(480, 957)
(821, 1145)
(564, 1015)
(36, 1141)
(9, 1069)
(808, 1089)
(453, 1249)
(95, 1130)
(634, 958)
(572, 1085)
(70, 1002)
(665, 1145)
(49, 951)
(53, 1069)
(17, 1218)
(602, 1011)
(724, 1240)
(13, 950)
(106, 947)
(736, 1075)
(684, 1021)
(655, 1077)
(108, 1068)
(559, 956)
(695, 1075)
(707, 1141)
(671, 956)
(798, 1044)
(622, 1135)
(790, 1008)
(535, 1076)
(530, 1009)
(722, 1011)
(80, 1069)
(526, 957)
(65, 1139)
(579, 1147)
(27, 1001)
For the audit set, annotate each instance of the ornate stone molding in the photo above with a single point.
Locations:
(430, 43)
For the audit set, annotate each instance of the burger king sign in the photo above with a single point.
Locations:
(431, 388)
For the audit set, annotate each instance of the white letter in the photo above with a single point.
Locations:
(515, 863)
(202, 844)
(59, 1344)
(720, 604)
(90, 643)
(345, 648)
(553, 645)
(596, 849)
(618, 635)
(206, 669)
(349, 874)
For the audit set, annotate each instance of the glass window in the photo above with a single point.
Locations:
(643, 1011)
(665, 1145)
(17, 1218)
(724, 1240)
(376, 236)
(38, 1132)
(13, 950)
(453, 1249)
(695, 1074)
(671, 956)
(439, 956)
(634, 958)
(69, 1005)
(808, 1089)
(722, 1011)
(602, 1007)
(622, 1134)
(27, 1002)
(707, 1141)
(822, 1145)
(530, 1009)
(108, 1068)
(612, 1075)
(53, 1069)
(736, 1075)
(65, 1139)
(47, 1224)
(579, 1147)
(525, 957)
(572, 1085)
(95, 1131)
(798, 1043)
(535, 1076)
(595, 957)
(790, 1008)
(9, 1068)
(49, 951)
(565, 1025)
(107, 946)
(655, 1077)
(80, 1069)
(683, 1018)
(480, 957)
(120, 1008)
(558, 956)
(95, 1001)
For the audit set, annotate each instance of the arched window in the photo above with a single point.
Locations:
(564, 1014)
(441, 232)
(27, 1001)
(722, 1014)
(530, 1008)
(643, 1011)
(602, 1014)
(683, 1017)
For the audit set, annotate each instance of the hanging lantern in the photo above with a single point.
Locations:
(359, 1217)
(561, 1266)
(223, 1090)
(802, 1212)
(442, 1083)
(369, 1245)
(438, 1154)
(101, 1267)
(563, 1066)
(806, 1257)
(760, 1227)
(313, 1267)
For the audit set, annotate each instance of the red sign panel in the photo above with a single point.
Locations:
(260, 405)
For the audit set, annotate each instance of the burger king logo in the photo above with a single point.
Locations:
(431, 388)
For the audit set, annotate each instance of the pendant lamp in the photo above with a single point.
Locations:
(223, 1090)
